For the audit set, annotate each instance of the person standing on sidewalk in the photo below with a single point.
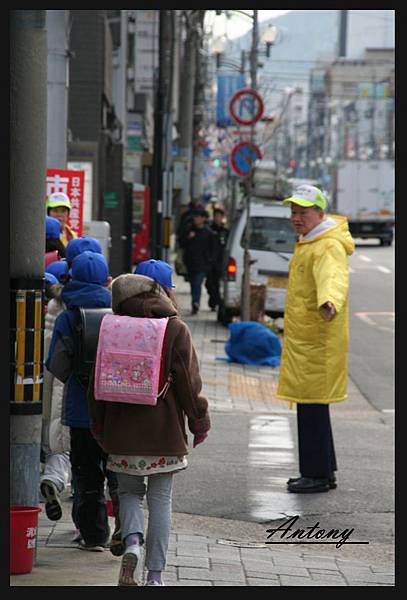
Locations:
(214, 274)
(198, 242)
(59, 206)
(87, 289)
(314, 370)
(151, 441)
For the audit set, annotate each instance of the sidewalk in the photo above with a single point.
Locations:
(198, 560)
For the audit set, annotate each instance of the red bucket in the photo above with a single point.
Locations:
(23, 535)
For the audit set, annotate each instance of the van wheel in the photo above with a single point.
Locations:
(385, 242)
(225, 315)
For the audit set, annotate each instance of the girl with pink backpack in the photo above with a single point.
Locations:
(144, 389)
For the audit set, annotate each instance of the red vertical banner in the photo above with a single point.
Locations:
(72, 184)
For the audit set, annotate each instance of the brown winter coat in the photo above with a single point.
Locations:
(135, 429)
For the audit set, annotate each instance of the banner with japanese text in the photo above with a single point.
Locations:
(72, 184)
(228, 84)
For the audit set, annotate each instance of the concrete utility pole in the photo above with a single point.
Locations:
(188, 75)
(245, 302)
(169, 35)
(57, 88)
(199, 100)
(162, 131)
(28, 147)
(343, 32)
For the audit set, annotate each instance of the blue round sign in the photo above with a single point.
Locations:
(243, 157)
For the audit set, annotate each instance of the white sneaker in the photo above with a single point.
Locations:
(131, 566)
(154, 582)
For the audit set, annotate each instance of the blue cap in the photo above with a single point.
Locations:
(50, 278)
(79, 245)
(158, 270)
(90, 267)
(59, 268)
(52, 228)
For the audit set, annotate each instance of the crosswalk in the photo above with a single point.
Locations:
(360, 261)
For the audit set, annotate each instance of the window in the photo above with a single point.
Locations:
(271, 234)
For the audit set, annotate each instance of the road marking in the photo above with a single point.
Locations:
(383, 269)
(365, 258)
(388, 410)
(364, 316)
(271, 447)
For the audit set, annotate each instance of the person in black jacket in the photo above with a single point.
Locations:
(198, 242)
(221, 235)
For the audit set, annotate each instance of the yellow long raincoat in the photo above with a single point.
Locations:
(314, 360)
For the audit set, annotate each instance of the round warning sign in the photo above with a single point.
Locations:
(246, 106)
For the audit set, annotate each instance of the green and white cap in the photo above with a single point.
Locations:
(307, 195)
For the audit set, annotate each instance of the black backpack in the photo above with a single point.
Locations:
(86, 340)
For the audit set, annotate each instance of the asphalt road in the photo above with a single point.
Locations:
(371, 311)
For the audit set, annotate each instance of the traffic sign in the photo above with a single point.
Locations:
(243, 156)
(246, 106)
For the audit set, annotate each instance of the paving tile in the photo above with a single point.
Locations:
(189, 561)
(288, 570)
(234, 572)
(372, 578)
(189, 582)
(194, 573)
(183, 551)
(261, 574)
(228, 583)
(329, 579)
(291, 580)
(195, 539)
(262, 582)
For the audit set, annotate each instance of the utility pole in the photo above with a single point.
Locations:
(28, 149)
(161, 132)
(57, 88)
(199, 101)
(343, 32)
(245, 302)
(187, 99)
(168, 40)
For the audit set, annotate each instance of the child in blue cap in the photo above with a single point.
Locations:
(54, 248)
(87, 289)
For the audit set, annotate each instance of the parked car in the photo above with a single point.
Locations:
(272, 242)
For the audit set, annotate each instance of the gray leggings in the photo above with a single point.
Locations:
(132, 490)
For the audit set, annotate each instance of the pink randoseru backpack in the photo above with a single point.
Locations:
(128, 359)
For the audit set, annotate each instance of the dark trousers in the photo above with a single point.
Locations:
(315, 442)
(88, 462)
(196, 279)
(212, 286)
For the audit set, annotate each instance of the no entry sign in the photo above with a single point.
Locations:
(246, 106)
(243, 157)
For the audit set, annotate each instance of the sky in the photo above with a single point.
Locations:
(238, 24)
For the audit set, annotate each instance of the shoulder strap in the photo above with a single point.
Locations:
(168, 357)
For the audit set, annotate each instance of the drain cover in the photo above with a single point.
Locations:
(242, 544)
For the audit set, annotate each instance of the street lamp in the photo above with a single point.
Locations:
(269, 37)
(218, 47)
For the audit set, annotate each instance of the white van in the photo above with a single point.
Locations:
(272, 242)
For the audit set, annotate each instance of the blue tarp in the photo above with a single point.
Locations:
(252, 343)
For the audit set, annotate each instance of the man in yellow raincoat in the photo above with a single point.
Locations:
(314, 370)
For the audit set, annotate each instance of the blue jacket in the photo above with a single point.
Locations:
(76, 294)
